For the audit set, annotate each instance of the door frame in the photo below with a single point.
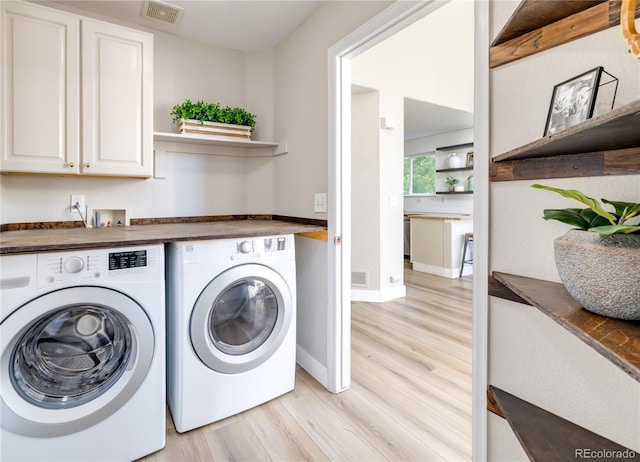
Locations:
(393, 19)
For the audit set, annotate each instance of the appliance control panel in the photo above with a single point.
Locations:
(94, 265)
(263, 246)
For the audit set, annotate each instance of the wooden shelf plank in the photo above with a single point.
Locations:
(459, 169)
(619, 162)
(546, 436)
(615, 339)
(614, 130)
(454, 192)
(539, 25)
(454, 147)
(534, 14)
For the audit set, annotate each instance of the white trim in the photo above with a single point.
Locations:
(378, 296)
(312, 366)
(481, 233)
(393, 19)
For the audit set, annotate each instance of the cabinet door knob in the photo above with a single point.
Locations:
(71, 165)
(87, 165)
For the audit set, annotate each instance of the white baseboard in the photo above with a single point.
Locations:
(312, 366)
(378, 296)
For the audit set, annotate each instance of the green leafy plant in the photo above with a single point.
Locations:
(212, 112)
(594, 218)
(452, 181)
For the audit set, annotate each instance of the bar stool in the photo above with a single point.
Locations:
(468, 238)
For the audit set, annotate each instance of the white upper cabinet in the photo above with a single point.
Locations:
(117, 100)
(76, 95)
(39, 96)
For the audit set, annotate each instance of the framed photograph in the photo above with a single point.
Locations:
(470, 159)
(572, 101)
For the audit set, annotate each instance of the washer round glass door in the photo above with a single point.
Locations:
(69, 361)
(241, 318)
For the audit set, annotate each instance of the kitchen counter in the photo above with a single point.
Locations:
(440, 216)
(43, 240)
(436, 243)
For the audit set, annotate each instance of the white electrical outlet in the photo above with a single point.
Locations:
(320, 202)
(77, 200)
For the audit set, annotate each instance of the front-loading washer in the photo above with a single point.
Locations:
(83, 354)
(231, 326)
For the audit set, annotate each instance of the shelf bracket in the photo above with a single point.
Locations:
(628, 23)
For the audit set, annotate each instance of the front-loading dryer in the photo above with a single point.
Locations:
(231, 326)
(83, 354)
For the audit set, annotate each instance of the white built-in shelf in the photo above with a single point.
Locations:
(210, 144)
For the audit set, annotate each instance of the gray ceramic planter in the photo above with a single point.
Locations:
(601, 272)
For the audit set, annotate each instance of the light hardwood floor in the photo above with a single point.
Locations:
(410, 398)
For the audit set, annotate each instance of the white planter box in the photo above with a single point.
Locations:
(195, 127)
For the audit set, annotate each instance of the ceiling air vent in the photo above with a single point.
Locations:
(163, 12)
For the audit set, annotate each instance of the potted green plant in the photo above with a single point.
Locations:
(212, 119)
(599, 260)
(452, 182)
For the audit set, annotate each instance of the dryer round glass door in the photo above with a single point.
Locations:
(241, 318)
(72, 357)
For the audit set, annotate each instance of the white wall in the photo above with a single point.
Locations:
(365, 181)
(529, 354)
(430, 60)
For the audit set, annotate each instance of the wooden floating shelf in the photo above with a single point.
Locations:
(614, 130)
(537, 26)
(604, 145)
(454, 192)
(454, 147)
(545, 436)
(203, 144)
(615, 339)
(459, 169)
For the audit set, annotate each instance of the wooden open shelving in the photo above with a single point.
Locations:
(453, 192)
(539, 25)
(617, 340)
(458, 169)
(604, 145)
(545, 436)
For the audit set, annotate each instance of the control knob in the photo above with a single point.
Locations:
(73, 264)
(245, 247)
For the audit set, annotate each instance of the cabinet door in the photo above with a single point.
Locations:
(117, 100)
(427, 243)
(39, 89)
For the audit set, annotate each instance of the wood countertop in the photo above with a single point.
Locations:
(46, 240)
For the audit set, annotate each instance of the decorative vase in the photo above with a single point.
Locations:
(601, 271)
(454, 160)
(470, 183)
(458, 188)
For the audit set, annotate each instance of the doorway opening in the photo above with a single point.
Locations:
(395, 18)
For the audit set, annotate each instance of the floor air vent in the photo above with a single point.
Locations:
(160, 11)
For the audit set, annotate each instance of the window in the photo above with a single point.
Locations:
(420, 174)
